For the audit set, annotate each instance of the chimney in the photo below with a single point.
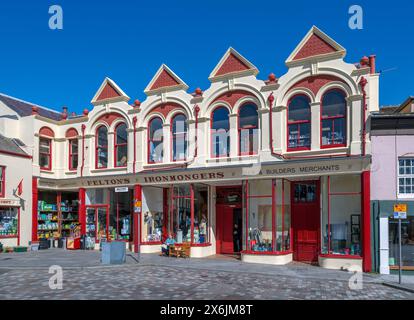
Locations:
(372, 59)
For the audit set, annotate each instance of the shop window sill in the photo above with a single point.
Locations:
(151, 243)
(267, 253)
(9, 237)
(322, 150)
(339, 256)
(194, 244)
(406, 268)
(109, 170)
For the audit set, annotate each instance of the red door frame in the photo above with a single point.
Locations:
(317, 201)
(96, 207)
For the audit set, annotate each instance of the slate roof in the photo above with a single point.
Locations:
(11, 145)
(24, 109)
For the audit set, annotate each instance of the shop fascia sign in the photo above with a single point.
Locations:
(9, 203)
(306, 169)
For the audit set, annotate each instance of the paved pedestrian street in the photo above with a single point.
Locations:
(183, 279)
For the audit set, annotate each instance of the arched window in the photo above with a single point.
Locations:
(333, 119)
(179, 137)
(220, 138)
(101, 154)
(121, 145)
(155, 141)
(299, 123)
(248, 130)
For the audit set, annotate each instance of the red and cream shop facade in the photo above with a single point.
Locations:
(275, 170)
(284, 211)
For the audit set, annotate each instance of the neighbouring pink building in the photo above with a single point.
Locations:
(392, 181)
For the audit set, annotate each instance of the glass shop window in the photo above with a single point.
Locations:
(260, 215)
(179, 138)
(283, 215)
(120, 218)
(299, 123)
(155, 141)
(181, 213)
(9, 221)
(220, 138)
(45, 153)
(407, 242)
(121, 145)
(73, 154)
(333, 119)
(101, 152)
(201, 223)
(248, 130)
(152, 217)
(341, 215)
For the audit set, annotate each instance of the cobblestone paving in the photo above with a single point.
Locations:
(161, 282)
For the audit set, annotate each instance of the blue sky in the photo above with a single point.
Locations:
(128, 40)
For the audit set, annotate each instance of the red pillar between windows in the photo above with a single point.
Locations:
(35, 198)
(137, 216)
(82, 210)
(192, 212)
(366, 220)
(165, 213)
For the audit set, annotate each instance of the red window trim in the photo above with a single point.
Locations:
(289, 123)
(49, 155)
(330, 146)
(330, 194)
(3, 182)
(253, 152)
(149, 140)
(117, 145)
(212, 151)
(273, 196)
(182, 133)
(72, 155)
(105, 147)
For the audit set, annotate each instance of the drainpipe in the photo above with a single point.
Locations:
(134, 121)
(83, 149)
(197, 110)
(363, 82)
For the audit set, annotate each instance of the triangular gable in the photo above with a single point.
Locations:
(314, 45)
(233, 63)
(109, 91)
(165, 80)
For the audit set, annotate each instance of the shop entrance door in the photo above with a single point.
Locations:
(97, 222)
(305, 221)
(224, 214)
(228, 214)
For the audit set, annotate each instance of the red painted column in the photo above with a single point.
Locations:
(82, 210)
(166, 211)
(137, 217)
(35, 198)
(192, 212)
(366, 220)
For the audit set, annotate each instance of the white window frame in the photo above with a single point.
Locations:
(403, 176)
